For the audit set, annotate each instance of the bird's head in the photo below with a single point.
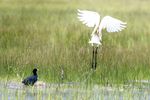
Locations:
(35, 71)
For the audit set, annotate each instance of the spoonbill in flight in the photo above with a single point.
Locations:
(92, 19)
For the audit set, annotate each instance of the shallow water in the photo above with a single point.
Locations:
(71, 91)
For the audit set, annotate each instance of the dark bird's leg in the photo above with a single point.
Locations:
(96, 57)
(93, 58)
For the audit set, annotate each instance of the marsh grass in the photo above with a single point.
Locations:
(47, 34)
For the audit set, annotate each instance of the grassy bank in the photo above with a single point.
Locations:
(47, 34)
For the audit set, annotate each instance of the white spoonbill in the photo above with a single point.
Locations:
(92, 19)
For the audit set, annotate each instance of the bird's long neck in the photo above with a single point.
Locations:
(95, 30)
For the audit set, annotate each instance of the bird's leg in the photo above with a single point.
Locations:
(93, 58)
(96, 57)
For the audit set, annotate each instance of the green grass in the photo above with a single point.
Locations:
(47, 34)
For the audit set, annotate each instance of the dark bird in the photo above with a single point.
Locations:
(32, 79)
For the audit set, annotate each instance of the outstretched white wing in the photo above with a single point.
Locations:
(89, 18)
(111, 24)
